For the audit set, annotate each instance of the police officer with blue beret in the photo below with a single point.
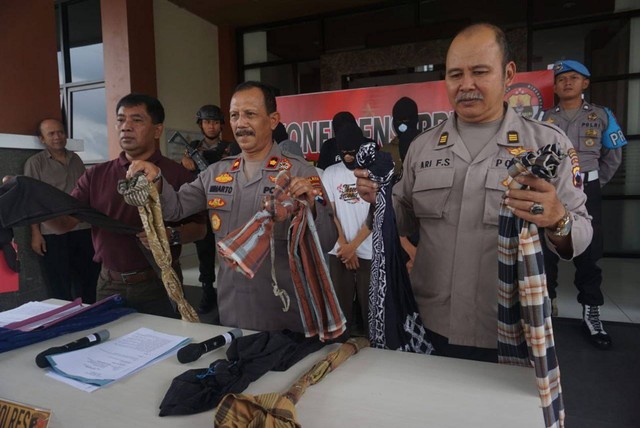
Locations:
(597, 139)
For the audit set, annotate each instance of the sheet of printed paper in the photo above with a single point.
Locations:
(116, 358)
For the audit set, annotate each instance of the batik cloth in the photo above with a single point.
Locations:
(394, 318)
(525, 331)
(246, 248)
(140, 193)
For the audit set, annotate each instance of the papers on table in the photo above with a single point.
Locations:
(36, 315)
(114, 359)
(24, 312)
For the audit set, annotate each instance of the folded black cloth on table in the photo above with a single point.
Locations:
(248, 358)
(25, 201)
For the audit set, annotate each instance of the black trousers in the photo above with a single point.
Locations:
(443, 348)
(69, 267)
(206, 249)
(588, 277)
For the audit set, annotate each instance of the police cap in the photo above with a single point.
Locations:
(567, 65)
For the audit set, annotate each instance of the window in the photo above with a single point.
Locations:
(81, 76)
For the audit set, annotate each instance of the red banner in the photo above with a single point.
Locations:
(308, 116)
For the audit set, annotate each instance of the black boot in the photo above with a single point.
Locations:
(209, 298)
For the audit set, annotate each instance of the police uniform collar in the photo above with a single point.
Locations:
(446, 134)
(509, 132)
(272, 160)
(586, 106)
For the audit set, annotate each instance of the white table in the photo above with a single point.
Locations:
(374, 388)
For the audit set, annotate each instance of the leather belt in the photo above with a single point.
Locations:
(134, 277)
(590, 175)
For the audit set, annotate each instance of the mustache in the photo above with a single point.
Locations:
(469, 96)
(244, 133)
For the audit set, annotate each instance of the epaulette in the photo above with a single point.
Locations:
(433, 127)
(229, 158)
(288, 154)
(542, 123)
(598, 106)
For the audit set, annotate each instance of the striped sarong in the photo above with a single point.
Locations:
(525, 332)
(245, 249)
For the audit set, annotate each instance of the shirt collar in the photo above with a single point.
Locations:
(155, 157)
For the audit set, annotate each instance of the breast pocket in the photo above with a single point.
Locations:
(431, 191)
(220, 214)
(589, 143)
(494, 191)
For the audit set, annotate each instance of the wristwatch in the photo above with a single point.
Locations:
(173, 236)
(563, 227)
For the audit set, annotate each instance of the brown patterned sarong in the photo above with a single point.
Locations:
(276, 410)
(140, 193)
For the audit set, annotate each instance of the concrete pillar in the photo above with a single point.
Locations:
(129, 55)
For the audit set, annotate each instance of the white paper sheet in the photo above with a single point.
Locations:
(24, 312)
(111, 360)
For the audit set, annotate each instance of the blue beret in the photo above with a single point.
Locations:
(570, 65)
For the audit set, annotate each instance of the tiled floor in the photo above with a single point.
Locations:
(621, 287)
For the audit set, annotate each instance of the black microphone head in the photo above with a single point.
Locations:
(190, 353)
(41, 359)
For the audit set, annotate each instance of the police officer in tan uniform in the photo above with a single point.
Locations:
(598, 141)
(233, 190)
(453, 183)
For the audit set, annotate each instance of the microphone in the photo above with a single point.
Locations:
(194, 351)
(85, 342)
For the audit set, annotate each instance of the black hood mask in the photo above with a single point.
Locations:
(349, 138)
(405, 123)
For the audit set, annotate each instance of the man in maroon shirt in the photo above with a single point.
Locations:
(125, 269)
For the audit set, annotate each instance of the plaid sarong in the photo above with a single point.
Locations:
(245, 249)
(525, 332)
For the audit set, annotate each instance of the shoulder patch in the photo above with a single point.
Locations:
(575, 168)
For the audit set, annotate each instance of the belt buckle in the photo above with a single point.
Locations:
(126, 275)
